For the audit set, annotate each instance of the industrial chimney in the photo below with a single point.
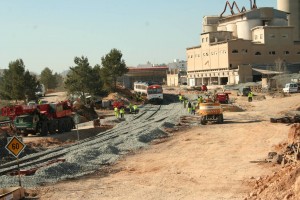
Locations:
(292, 7)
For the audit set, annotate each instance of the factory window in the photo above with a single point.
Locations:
(286, 52)
(257, 53)
(207, 39)
(202, 40)
(272, 36)
(272, 52)
(285, 36)
(235, 51)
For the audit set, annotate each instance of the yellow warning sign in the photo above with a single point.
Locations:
(15, 146)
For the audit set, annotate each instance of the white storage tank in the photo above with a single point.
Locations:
(209, 28)
(232, 28)
(221, 28)
(244, 28)
(293, 7)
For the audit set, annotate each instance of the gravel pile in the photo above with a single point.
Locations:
(285, 78)
(133, 133)
(241, 85)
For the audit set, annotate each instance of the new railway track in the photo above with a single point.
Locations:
(139, 122)
(33, 160)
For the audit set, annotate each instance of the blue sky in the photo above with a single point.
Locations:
(51, 33)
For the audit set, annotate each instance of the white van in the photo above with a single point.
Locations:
(40, 90)
(290, 88)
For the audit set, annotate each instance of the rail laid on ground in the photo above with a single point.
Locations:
(36, 159)
(140, 121)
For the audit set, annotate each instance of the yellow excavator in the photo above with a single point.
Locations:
(210, 110)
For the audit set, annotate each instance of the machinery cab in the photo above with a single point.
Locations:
(26, 123)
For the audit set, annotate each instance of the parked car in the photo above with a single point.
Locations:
(290, 88)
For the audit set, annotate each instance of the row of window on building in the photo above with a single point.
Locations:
(272, 36)
(256, 37)
(236, 51)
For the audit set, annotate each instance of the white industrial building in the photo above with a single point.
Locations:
(231, 46)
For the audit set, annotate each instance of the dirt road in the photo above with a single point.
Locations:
(205, 162)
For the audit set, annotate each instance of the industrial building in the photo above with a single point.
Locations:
(157, 74)
(176, 77)
(177, 73)
(233, 49)
(173, 74)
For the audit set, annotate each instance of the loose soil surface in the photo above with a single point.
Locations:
(215, 161)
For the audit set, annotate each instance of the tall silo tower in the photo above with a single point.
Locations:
(292, 7)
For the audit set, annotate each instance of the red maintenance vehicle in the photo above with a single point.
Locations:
(42, 118)
(118, 104)
(223, 97)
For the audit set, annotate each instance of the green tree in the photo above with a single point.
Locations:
(82, 78)
(16, 83)
(48, 79)
(113, 66)
(59, 81)
(30, 86)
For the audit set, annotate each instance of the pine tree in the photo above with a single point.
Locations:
(16, 83)
(113, 66)
(83, 79)
(48, 79)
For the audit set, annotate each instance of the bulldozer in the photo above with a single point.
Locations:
(210, 110)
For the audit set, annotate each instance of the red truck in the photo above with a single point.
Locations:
(42, 118)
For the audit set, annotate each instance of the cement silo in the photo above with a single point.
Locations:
(292, 7)
(244, 28)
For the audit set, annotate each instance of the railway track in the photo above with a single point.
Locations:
(37, 159)
(89, 154)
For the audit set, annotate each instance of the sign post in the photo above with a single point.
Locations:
(15, 146)
(76, 120)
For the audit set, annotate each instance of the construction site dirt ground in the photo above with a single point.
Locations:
(215, 161)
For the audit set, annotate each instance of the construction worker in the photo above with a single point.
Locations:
(193, 108)
(250, 96)
(185, 101)
(135, 109)
(189, 107)
(200, 99)
(116, 112)
(122, 112)
(130, 107)
(180, 98)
